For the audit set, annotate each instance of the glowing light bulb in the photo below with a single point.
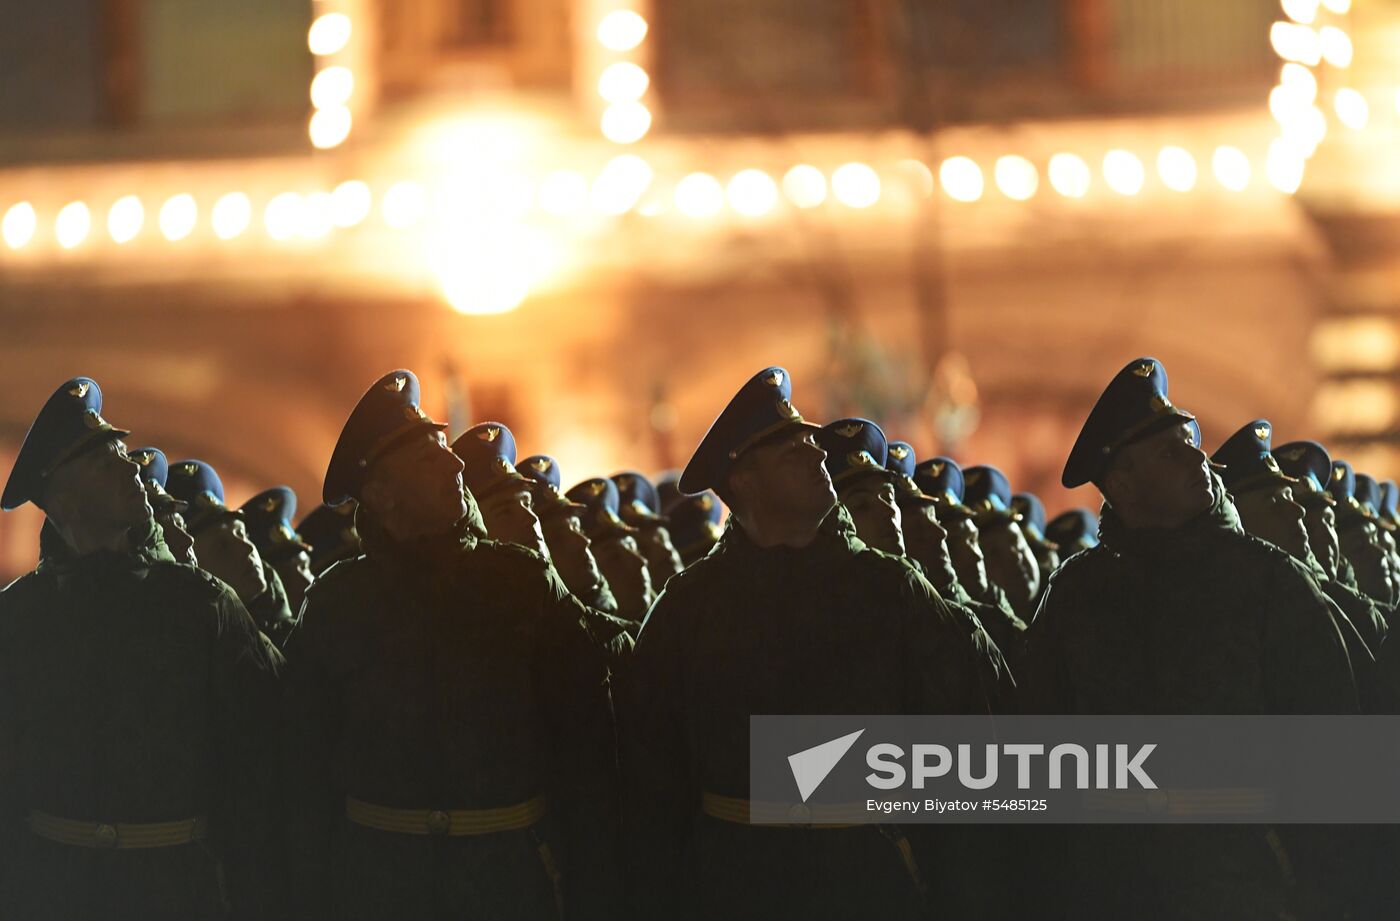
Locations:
(805, 186)
(231, 216)
(961, 179)
(855, 185)
(72, 224)
(329, 33)
(622, 30)
(1016, 177)
(1177, 168)
(1069, 175)
(125, 218)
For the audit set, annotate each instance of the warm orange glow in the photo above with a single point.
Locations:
(699, 195)
(622, 30)
(328, 34)
(961, 179)
(1016, 177)
(332, 87)
(231, 215)
(1231, 167)
(19, 225)
(124, 219)
(805, 186)
(330, 127)
(1123, 172)
(625, 122)
(72, 224)
(623, 81)
(1069, 175)
(752, 192)
(855, 185)
(1177, 168)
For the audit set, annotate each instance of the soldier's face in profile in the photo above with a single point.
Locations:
(965, 549)
(927, 541)
(416, 488)
(1368, 557)
(224, 550)
(100, 488)
(663, 561)
(295, 573)
(509, 513)
(786, 478)
(1161, 481)
(626, 570)
(871, 502)
(1270, 514)
(172, 526)
(1011, 563)
(1321, 523)
(572, 553)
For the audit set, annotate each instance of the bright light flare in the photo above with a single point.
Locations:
(622, 30)
(752, 192)
(961, 179)
(855, 185)
(125, 218)
(329, 33)
(623, 81)
(283, 215)
(330, 127)
(621, 184)
(1352, 108)
(350, 203)
(1177, 168)
(72, 224)
(231, 216)
(625, 122)
(19, 225)
(1335, 46)
(1069, 175)
(1016, 177)
(699, 195)
(563, 193)
(1123, 172)
(178, 216)
(405, 203)
(332, 87)
(1231, 167)
(1296, 43)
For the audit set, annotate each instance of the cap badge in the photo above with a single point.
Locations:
(899, 452)
(774, 379)
(79, 389)
(1261, 432)
(540, 464)
(1292, 454)
(92, 420)
(861, 459)
(1339, 473)
(1143, 370)
(396, 385)
(787, 410)
(269, 504)
(490, 433)
(596, 488)
(189, 469)
(849, 430)
(143, 458)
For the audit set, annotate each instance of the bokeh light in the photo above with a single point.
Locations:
(1016, 177)
(125, 218)
(621, 184)
(1177, 168)
(282, 217)
(350, 203)
(1352, 108)
(72, 224)
(231, 215)
(699, 195)
(623, 81)
(329, 33)
(404, 204)
(805, 186)
(625, 122)
(178, 216)
(563, 193)
(1335, 46)
(622, 30)
(1069, 175)
(752, 192)
(330, 127)
(855, 185)
(961, 179)
(1123, 172)
(332, 87)
(1231, 167)
(19, 224)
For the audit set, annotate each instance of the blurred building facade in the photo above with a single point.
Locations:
(590, 219)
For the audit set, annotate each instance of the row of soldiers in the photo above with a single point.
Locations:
(456, 689)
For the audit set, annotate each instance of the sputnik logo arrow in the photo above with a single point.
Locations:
(810, 767)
